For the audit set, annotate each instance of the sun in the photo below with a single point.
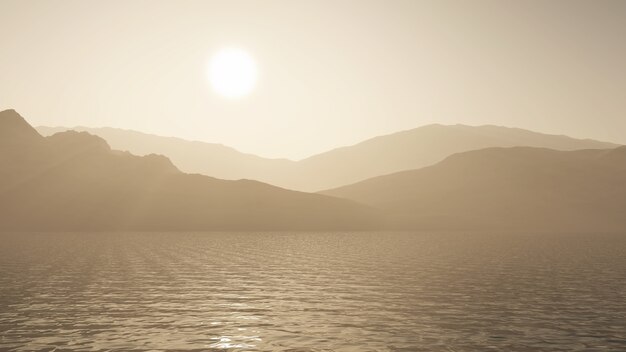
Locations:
(232, 73)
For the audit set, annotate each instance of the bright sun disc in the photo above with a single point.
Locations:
(232, 73)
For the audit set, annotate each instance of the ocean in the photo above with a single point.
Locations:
(356, 291)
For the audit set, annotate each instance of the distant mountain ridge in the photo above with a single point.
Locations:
(74, 181)
(517, 188)
(15, 129)
(377, 156)
(210, 159)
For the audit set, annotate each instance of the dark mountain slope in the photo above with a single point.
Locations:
(382, 155)
(422, 147)
(74, 181)
(505, 188)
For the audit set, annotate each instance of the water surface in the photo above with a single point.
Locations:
(312, 292)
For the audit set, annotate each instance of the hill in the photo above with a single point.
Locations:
(210, 159)
(518, 188)
(74, 181)
(382, 155)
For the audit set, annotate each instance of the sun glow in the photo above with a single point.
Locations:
(232, 73)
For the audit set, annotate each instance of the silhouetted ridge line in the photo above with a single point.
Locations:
(518, 188)
(74, 181)
(15, 129)
(404, 150)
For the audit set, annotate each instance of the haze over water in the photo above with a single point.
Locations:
(434, 175)
(312, 292)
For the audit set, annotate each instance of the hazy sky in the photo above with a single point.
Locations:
(331, 73)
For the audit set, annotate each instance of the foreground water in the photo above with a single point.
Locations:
(312, 292)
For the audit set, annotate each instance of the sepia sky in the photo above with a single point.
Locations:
(330, 73)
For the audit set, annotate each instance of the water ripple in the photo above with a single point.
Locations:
(312, 292)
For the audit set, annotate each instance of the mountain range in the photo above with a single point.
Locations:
(382, 155)
(518, 188)
(74, 181)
